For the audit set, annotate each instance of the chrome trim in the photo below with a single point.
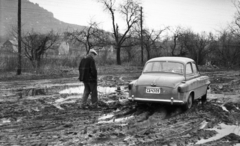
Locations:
(157, 100)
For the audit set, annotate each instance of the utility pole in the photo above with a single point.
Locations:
(141, 24)
(19, 69)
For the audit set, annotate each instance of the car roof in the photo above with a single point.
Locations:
(174, 59)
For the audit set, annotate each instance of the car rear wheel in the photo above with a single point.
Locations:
(204, 98)
(189, 103)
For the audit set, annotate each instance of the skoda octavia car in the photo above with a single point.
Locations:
(174, 80)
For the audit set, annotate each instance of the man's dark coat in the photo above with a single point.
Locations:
(87, 70)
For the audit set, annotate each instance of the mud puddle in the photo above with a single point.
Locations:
(49, 90)
(222, 130)
(225, 83)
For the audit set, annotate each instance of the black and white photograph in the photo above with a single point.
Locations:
(119, 72)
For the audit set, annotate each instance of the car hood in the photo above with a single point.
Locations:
(160, 79)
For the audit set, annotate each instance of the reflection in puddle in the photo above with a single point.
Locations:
(4, 121)
(48, 91)
(106, 116)
(59, 94)
(118, 120)
(69, 99)
(23, 92)
(106, 90)
(58, 106)
(222, 131)
(80, 89)
(224, 108)
(109, 118)
(203, 125)
(74, 90)
(30, 92)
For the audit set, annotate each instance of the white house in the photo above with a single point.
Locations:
(63, 48)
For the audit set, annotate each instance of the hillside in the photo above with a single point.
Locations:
(33, 17)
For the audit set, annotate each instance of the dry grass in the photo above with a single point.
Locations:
(57, 66)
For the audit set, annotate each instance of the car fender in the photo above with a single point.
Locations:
(186, 95)
(184, 87)
(132, 87)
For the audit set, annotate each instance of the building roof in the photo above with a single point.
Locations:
(174, 59)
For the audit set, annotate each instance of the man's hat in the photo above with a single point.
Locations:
(93, 51)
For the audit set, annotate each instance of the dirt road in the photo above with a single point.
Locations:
(46, 112)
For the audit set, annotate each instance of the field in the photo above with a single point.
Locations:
(46, 112)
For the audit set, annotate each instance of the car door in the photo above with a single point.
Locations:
(192, 78)
(201, 82)
(191, 71)
(198, 82)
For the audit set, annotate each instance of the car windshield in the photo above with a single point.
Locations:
(162, 66)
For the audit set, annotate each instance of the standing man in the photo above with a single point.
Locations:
(88, 75)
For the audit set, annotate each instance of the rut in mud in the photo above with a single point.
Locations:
(47, 112)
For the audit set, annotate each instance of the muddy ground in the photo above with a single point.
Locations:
(46, 112)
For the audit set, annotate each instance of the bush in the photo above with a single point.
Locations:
(9, 62)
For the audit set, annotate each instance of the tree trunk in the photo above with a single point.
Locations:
(129, 56)
(38, 64)
(34, 64)
(118, 55)
(148, 53)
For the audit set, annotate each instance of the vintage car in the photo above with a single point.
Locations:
(174, 80)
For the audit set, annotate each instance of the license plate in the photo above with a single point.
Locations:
(153, 90)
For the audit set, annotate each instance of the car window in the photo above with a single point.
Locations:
(189, 69)
(156, 67)
(194, 67)
(148, 67)
(163, 66)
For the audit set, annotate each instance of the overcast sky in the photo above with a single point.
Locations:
(199, 15)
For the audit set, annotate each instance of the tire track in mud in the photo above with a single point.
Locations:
(146, 118)
(50, 126)
(158, 126)
(144, 130)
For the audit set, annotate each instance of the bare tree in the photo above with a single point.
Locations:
(201, 43)
(229, 41)
(235, 27)
(90, 36)
(194, 44)
(130, 47)
(227, 53)
(35, 46)
(176, 47)
(130, 10)
(150, 40)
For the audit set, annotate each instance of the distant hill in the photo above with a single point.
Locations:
(33, 17)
